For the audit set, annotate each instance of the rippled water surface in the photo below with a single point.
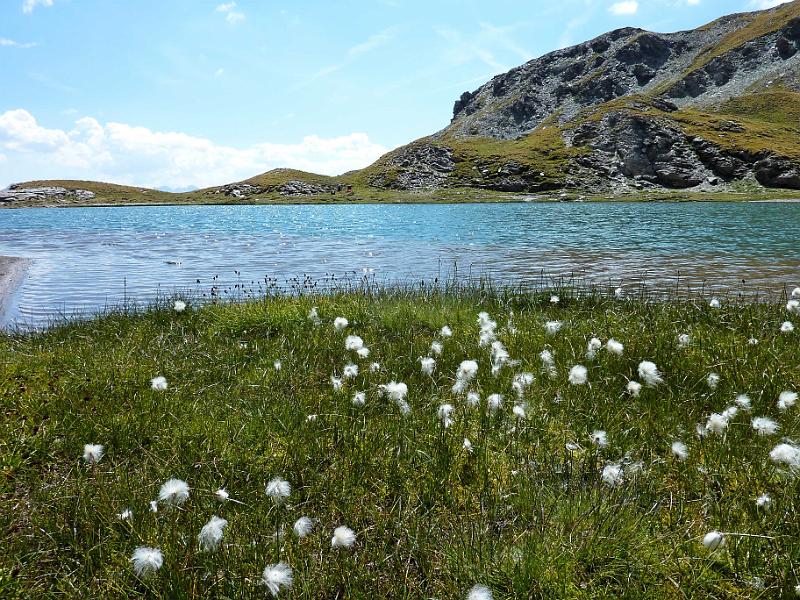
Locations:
(90, 258)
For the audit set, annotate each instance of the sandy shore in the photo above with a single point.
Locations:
(12, 271)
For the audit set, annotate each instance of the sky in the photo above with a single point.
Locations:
(177, 94)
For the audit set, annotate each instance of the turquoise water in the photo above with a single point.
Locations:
(86, 259)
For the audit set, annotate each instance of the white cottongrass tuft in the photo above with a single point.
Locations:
(743, 402)
(363, 352)
(786, 400)
(548, 363)
(179, 306)
(467, 371)
(763, 501)
(92, 453)
(278, 365)
(634, 388)
(494, 402)
(553, 327)
(520, 383)
(428, 364)
(446, 332)
(154, 506)
(397, 393)
(359, 399)
(787, 327)
(684, 340)
(279, 490)
(436, 348)
(554, 299)
(336, 383)
(614, 347)
(592, 348)
(793, 306)
(786, 454)
(222, 495)
(715, 303)
(578, 375)
(473, 399)
(313, 316)
(612, 474)
(649, 373)
(174, 491)
(500, 356)
(480, 592)
(519, 411)
(343, 537)
(713, 380)
(619, 293)
(125, 515)
(211, 534)
(752, 342)
(730, 412)
(146, 561)
(350, 371)
(713, 540)
(276, 577)
(303, 526)
(467, 445)
(599, 438)
(765, 426)
(796, 292)
(488, 328)
(445, 413)
(353, 343)
(340, 323)
(159, 383)
(375, 367)
(717, 423)
(679, 450)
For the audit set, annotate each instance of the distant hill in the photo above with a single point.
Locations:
(715, 108)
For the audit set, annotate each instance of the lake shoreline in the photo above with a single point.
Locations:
(12, 272)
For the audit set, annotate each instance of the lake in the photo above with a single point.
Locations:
(86, 259)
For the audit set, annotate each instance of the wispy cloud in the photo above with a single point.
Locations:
(6, 43)
(374, 41)
(764, 4)
(229, 9)
(29, 5)
(463, 49)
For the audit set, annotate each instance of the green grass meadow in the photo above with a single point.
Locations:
(519, 513)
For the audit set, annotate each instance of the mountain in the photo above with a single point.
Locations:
(715, 108)
(630, 109)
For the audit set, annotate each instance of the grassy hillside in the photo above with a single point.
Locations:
(538, 504)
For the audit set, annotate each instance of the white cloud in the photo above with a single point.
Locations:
(140, 156)
(29, 5)
(627, 7)
(232, 15)
(764, 4)
(5, 42)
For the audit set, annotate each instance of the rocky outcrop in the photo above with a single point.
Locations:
(304, 188)
(43, 195)
(240, 190)
(417, 166)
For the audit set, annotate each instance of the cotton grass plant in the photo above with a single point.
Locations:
(497, 470)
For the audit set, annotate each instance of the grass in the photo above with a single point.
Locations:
(520, 514)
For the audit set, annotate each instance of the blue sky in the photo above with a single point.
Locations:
(180, 93)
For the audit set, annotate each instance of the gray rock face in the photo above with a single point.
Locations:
(43, 194)
(301, 188)
(239, 190)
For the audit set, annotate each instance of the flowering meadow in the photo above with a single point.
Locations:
(406, 444)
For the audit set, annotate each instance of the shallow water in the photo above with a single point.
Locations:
(90, 258)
